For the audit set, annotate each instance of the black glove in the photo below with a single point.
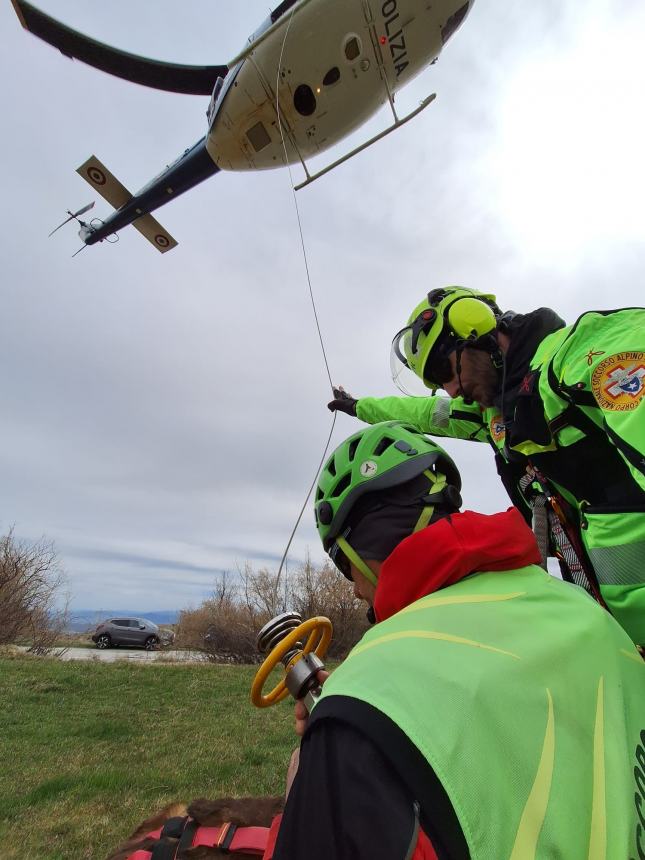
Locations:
(343, 402)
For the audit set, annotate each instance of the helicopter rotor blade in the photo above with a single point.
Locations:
(83, 210)
(61, 225)
(171, 77)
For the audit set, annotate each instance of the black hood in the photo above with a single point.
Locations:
(526, 331)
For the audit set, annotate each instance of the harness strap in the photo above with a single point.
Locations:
(232, 839)
(187, 837)
(228, 837)
(164, 851)
(174, 827)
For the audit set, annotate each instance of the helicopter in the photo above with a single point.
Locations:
(313, 71)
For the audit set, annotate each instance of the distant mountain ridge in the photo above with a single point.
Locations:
(81, 620)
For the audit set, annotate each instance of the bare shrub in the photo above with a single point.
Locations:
(31, 581)
(225, 626)
(324, 591)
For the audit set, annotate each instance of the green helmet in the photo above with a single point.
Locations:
(445, 319)
(378, 458)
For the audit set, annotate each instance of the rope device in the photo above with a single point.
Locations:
(311, 296)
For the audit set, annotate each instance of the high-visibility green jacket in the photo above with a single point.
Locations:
(528, 702)
(579, 417)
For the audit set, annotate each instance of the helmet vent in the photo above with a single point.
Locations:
(353, 445)
(382, 446)
(331, 467)
(341, 486)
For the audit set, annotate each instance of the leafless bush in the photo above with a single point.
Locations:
(323, 591)
(31, 582)
(222, 627)
(225, 626)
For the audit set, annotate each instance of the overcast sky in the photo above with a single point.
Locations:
(163, 416)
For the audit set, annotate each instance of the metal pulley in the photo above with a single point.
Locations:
(281, 639)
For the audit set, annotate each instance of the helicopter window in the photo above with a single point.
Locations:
(259, 136)
(332, 77)
(282, 8)
(453, 23)
(304, 100)
(352, 48)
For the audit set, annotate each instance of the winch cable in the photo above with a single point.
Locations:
(311, 296)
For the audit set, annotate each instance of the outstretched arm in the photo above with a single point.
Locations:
(438, 416)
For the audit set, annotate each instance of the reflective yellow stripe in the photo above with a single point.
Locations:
(598, 835)
(430, 602)
(427, 634)
(528, 833)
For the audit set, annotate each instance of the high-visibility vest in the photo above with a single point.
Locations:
(528, 701)
(579, 417)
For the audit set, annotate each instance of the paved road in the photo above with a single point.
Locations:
(109, 655)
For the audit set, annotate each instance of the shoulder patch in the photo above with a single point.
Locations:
(496, 427)
(618, 382)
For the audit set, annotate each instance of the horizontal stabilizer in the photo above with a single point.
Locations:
(155, 233)
(171, 77)
(107, 185)
(117, 195)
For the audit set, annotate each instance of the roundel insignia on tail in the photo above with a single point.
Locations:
(618, 382)
(162, 241)
(96, 176)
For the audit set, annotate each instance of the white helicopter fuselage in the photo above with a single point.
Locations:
(313, 72)
(321, 74)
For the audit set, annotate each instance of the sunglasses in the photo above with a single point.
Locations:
(439, 369)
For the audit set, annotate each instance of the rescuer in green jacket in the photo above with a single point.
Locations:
(563, 408)
(493, 712)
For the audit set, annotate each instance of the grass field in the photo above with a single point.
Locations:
(88, 750)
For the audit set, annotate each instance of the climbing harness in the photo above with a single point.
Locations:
(181, 833)
(558, 529)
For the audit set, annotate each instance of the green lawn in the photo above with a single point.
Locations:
(88, 750)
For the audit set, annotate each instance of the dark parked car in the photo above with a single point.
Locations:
(132, 632)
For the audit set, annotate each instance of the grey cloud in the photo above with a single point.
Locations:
(181, 398)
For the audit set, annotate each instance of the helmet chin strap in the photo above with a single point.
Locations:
(356, 560)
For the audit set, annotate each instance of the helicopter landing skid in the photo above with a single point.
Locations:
(396, 124)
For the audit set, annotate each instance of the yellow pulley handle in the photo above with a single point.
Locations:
(318, 631)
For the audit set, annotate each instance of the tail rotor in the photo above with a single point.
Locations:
(74, 216)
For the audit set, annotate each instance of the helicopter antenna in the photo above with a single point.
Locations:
(73, 215)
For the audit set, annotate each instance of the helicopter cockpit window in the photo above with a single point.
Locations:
(332, 77)
(304, 100)
(352, 48)
(259, 136)
(452, 24)
(282, 8)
